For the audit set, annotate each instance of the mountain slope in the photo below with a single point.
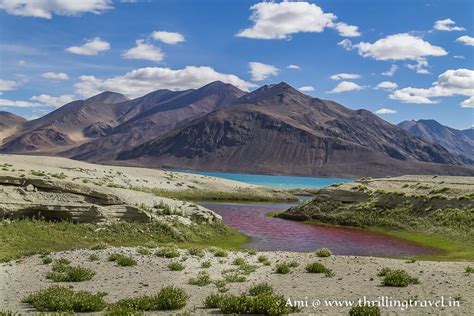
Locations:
(456, 141)
(276, 129)
(9, 124)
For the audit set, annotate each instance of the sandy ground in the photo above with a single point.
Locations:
(355, 277)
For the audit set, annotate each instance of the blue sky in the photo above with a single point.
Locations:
(428, 44)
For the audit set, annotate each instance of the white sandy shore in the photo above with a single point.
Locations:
(355, 277)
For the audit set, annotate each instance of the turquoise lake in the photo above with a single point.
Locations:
(282, 182)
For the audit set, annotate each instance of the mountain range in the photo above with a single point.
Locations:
(273, 130)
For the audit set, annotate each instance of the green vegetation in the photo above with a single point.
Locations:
(31, 236)
(282, 268)
(396, 278)
(122, 260)
(143, 251)
(167, 252)
(316, 267)
(99, 246)
(469, 269)
(262, 259)
(220, 253)
(260, 288)
(202, 279)
(364, 310)
(63, 272)
(198, 252)
(206, 264)
(323, 252)
(169, 298)
(93, 257)
(176, 266)
(47, 260)
(63, 299)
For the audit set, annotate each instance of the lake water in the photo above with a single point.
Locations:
(282, 182)
(278, 234)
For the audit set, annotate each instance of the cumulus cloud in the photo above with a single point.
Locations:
(273, 20)
(260, 71)
(53, 101)
(344, 75)
(420, 66)
(144, 80)
(306, 88)
(295, 67)
(389, 73)
(168, 37)
(91, 47)
(449, 83)
(387, 85)
(46, 8)
(401, 46)
(466, 40)
(469, 103)
(8, 85)
(18, 104)
(55, 75)
(144, 51)
(447, 25)
(345, 86)
(385, 111)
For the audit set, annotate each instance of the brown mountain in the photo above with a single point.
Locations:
(459, 142)
(9, 124)
(278, 130)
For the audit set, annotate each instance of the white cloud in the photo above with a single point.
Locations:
(466, 40)
(168, 37)
(140, 81)
(346, 44)
(385, 111)
(306, 89)
(53, 101)
(387, 85)
(18, 104)
(295, 67)
(345, 86)
(55, 75)
(449, 83)
(260, 71)
(420, 66)
(21, 62)
(469, 103)
(273, 20)
(343, 75)
(8, 85)
(46, 8)
(389, 73)
(401, 46)
(347, 30)
(90, 48)
(459, 57)
(447, 25)
(144, 51)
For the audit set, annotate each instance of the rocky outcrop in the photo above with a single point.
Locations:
(56, 199)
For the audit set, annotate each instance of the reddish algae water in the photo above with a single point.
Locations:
(278, 234)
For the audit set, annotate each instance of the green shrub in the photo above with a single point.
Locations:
(202, 279)
(122, 260)
(94, 257)
(8, 313)
(198, 252)
(251, 252)
(214, 300)
(323, 252)
(383, 272)
(176, 266)
(100, 246)
(167, 252)
(206, 264)
(117, 310)
(63, 261)
(282, 268)
(220, 253)
(66, 273)
(63, 299)
(234, 277)
(261, 288)
(398, 278)
(47, 260)
(239, 261)
(247, 268)
(364, 310)
(469, 269)
(169, 298)
(143, 251)
(293, 264)
(262, 259)
(316, 267)
(266, 304)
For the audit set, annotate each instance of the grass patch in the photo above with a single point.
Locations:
(282, 268)
(176, 266)
(469, 269)
(93, 257)
(202, 279)
(206, 264)
(31, 236)
(167, 252)
(143, 251)
(323, 252)
(194, 251)
(221, 253)
(364, 310)
(262, 304)
(47, 260)
(169, 298)
(63, 299)
(66, 273)
(122, 260)
(316, 267)
(396, 278)
(261, 288)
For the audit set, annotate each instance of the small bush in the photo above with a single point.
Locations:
(214, 300)
(169, 298)
(323, 252)
(122, 260)
(94, 257)
(100, 246)
(202, 279)
(47, 260)
(66, 273)
(206, 264)
(261, 288)
(176, 266)
(251, 252)
(221, 253)
(364, 310)
(143, 251)
(63, 261)
(198, 252)
(63, 299)
(469, 269)
(316, 267)
(234, 277)
(282, 268)
(239, 261)
(262, 259)
(117, 310)
(167, 252)
(293, 264)
(266, 304)
(247, 268)
(398, 278)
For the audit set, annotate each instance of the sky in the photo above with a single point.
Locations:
(403, 59)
